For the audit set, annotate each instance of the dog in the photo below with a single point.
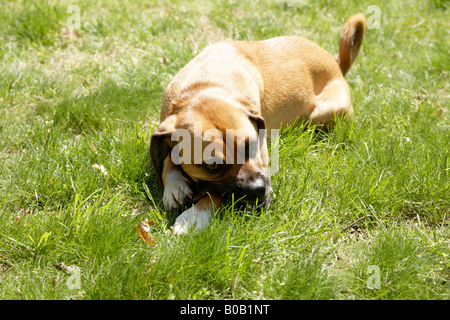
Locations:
(246, 87)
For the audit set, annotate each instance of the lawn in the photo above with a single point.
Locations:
(361, 212)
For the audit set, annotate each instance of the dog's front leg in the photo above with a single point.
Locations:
(176, 185)
(198, 216)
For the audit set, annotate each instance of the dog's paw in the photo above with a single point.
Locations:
(191, 220)
(176, 190)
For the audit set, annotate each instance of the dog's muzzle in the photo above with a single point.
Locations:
(254, 190)
(251, 190)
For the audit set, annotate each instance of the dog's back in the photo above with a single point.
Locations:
(294, 71)
(280, 77)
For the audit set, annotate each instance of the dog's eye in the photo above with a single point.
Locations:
(213, 167)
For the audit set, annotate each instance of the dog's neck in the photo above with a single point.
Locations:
(204, 96)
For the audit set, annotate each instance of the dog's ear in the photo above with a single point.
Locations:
(262, 134)
(260, 122)
(160, 145)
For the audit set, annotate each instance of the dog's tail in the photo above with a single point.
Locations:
(352, 36)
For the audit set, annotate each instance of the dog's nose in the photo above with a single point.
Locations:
(255, 190)
(258, 192)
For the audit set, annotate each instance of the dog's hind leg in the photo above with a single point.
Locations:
(334, 101)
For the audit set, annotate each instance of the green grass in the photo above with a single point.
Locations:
(373, 192)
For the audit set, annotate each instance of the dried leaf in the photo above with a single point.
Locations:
(70, 34)
(92, 147)
(101, 168)
(163, 60)
(144, 231)
(61, 266)
(438, 112)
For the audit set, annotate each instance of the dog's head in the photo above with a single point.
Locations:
(217, 143)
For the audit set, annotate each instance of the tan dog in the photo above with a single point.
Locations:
(244, 86)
